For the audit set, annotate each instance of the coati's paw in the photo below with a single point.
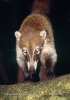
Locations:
(51, 75)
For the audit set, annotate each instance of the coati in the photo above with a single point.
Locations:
(35, 46)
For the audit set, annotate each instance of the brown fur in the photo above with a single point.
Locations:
(33, 25)
(20, 75)
(30, 36)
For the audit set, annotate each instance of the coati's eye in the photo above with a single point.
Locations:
(24, 51)
(37, 50)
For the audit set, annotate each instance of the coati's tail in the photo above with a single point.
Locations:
(41, 6)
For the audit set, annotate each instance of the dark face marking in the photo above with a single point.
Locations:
(37, 52)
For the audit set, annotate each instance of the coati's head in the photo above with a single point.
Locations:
(29, 48)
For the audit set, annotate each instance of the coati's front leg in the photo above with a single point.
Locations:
(48, 60)
(23, 76)
(43, 73)
(20, 75)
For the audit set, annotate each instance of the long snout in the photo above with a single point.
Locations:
(32, 66)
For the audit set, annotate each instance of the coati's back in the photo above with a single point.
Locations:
(34, 24)
(35, 42)
(37, 21)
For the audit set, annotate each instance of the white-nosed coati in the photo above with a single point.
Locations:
(35, 48)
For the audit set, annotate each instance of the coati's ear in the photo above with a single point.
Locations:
(17, 35)
(43, 33)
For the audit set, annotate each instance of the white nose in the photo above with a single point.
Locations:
(32, 66)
